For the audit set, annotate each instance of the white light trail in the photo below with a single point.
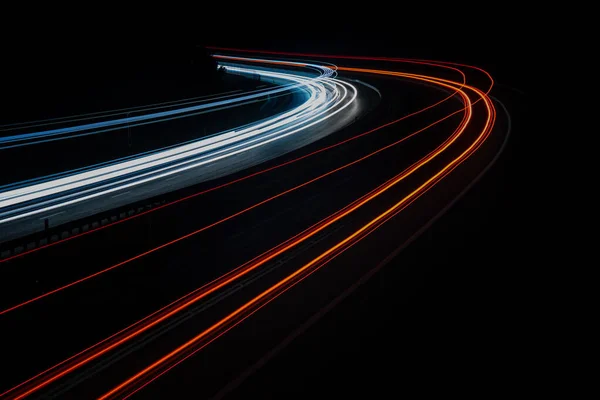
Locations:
(327, 96)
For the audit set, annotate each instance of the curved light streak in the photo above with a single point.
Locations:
(325, 100)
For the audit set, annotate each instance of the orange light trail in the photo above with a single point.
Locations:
(298, 238)
(284, 284)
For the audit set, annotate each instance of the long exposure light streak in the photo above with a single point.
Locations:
(325, 100)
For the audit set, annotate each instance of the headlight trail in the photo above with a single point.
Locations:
(62, 369)
(201, 145)
(46, 178)
(327, 97)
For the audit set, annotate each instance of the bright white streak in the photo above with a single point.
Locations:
(230, 153)
(112, 171)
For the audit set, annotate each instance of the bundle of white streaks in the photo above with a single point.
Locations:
(325, 96)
